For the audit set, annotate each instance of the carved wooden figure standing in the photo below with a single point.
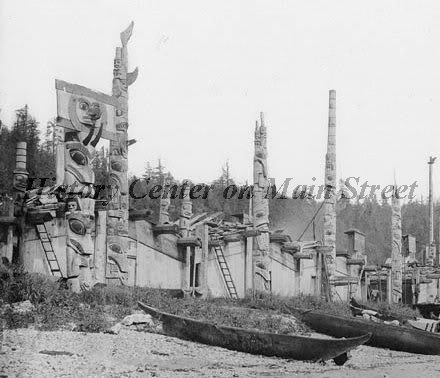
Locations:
(330, 194)
(117, 220)
(260, 208)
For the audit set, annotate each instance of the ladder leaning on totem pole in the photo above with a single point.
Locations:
(51, 257)
(224, 268)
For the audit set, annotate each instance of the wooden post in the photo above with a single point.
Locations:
(396, 249)
(430, 259)
(366, 286)
(330, 194)
(319, 274)
(202, 234)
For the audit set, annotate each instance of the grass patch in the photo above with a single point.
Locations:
(98, 309)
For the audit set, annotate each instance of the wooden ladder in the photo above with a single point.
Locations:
(225, 271)
(48, 250)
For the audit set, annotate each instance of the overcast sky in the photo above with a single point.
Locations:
(206, 70)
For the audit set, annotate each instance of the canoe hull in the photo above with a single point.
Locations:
(383, 336)
(254, 342)
(427, 308)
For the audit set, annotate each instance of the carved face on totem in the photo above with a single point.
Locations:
(72, 206)
(164, 205)
(120, 86)
(118, 185)
(118, 164)
(88, 117)
(117, 65)
(79, 249)
(88, 112)
(78, 164)
(119, 151)
(260, 151)
(186, 210)
(116, 259)
(20, 181)
(79, 230)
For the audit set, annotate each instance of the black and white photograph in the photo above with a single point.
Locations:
(216, 188)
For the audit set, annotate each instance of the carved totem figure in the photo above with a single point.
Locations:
(260, 207)
(85, 116)
(164, 215)
(185, 210)
(431, 252)
(396, 249)
(20, 179)
(330, 193)
(117, 220)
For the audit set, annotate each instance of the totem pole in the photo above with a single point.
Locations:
(330, 193)
(396, 249)
(260, 207)
(21, 176)
(431, 253)
(85, 116)
(184, 219)
(117, 220)
(20, 183)
(185, 209)
(164, 215)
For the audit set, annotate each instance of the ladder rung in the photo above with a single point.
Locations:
(51, 256)
(47, 246)
(53, 266)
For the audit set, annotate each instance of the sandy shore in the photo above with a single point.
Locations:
(27, 352)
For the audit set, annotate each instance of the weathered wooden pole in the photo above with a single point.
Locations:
(330, 194)
(20, 173)
(185, 209)
(117, 220)
(20, 183)
(184, 219)
(164, 215)
(396, 249)
(429, 259)
(260, 209)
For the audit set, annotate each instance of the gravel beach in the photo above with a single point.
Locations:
(28, 352)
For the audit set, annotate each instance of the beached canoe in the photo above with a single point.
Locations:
(256, 342)
(428, 309)
(383, 336)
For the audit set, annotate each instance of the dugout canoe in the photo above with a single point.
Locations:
(428, 309)
(256, 342)
(382, 335)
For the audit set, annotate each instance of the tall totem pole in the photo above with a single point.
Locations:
(430, 255)
(184, 226)
(117, 220)
(185, 209)
(164, 215)
(84, 117)
(330, 193)
(396, 249)
(260, 210)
